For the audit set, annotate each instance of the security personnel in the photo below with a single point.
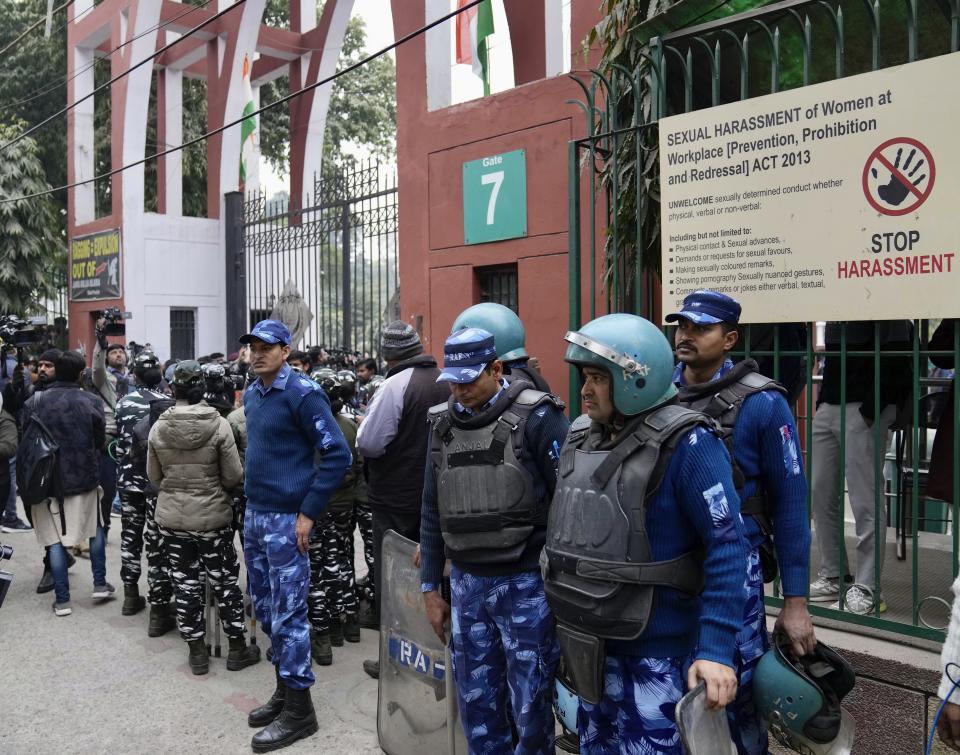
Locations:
(138, 525)
(288, 420)
(644, 560)
(510, 337)
(491, 471)
(768, 471)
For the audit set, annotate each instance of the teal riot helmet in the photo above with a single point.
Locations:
(509, 335)
(800, 698)
(635, 353)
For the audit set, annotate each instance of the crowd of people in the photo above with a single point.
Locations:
(620, 557)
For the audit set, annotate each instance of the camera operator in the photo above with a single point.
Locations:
(111, 384)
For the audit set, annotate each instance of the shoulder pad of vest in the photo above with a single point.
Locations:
(673, 417)
(754, 382)
(580, 424)
(436, 411)
(531, 397)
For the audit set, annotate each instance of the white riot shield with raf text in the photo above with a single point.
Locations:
(416, 706)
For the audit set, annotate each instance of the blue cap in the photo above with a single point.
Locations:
(268, 331)
(707, 307)
(466, 354)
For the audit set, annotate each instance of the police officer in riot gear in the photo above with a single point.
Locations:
(491, 471)
(644, 560)
(510, 337)
(760, 433)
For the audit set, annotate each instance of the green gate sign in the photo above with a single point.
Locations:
(495, 198)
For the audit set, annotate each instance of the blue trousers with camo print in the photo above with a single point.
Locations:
(748, 729)
(505, 655)
(278, 575)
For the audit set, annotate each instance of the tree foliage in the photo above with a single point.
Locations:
(32, 246)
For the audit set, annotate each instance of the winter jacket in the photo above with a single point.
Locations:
(192, 460)
(342, 501)
(8, 449)
(75, 419)
(238, 423)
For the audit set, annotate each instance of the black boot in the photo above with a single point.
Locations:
(161, 620)
(351, 628)
(241, 654)
(320, 648)
(267, 713)
(133, 601)
(370, 617)
(298, 720)
(198, 659)
(336, 632)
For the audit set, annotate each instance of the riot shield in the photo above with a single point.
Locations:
(703, 731)
(417, 703)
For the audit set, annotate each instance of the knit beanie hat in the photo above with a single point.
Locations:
(50, 355)
(399, 341)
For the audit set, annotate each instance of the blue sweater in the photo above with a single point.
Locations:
(767, 450)
(286, 423)
(696, 506)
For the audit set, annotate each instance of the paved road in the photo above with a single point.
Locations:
(94, 682)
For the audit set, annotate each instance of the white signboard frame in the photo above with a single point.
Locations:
(836, 201)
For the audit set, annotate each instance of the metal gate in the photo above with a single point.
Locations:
(333, 259)
(614, 255)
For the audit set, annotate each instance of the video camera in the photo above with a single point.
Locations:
(6, 552)
(15, 331)
(114, 325)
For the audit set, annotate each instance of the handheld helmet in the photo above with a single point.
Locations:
(800, 697)
(187, 373)
(635, 353)
(348, 384)
(565, 705)
(509, 335)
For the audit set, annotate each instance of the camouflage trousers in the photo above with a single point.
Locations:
(139, 531)
(278, 578)
(332, 590)
(505, 655)
(363, 516)
(748, 729)
(193, 555)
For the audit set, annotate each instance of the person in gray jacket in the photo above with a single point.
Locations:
(192, 460)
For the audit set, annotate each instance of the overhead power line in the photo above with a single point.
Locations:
(127, 72)
(54, 85)
(213, 132)
(34, 25)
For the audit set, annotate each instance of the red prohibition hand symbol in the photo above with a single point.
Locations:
(911, 174)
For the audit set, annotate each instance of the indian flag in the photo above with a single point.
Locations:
(248, 128)
(473, 27)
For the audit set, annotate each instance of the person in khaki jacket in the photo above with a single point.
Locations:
(192, 461)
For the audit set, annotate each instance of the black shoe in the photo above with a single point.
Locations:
(198, 659)
(267, 713)
(320, 648)
(568, 742)
(133, 601)
(161, 620)
(297, 720)
(241, 654)
(351, 628)
(336, 632)
(369, 618)
(269, 654)
(372, 668)
(46, 582)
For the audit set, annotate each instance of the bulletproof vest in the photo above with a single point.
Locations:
(485, 496)
(722, 401)
(597, 566)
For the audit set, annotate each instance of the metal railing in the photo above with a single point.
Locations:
(614, 247)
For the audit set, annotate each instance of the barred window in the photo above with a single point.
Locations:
(183, 333)
(499, 285)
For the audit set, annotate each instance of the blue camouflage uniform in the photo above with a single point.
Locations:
(505, 648)
(286, 424)
(765, 450)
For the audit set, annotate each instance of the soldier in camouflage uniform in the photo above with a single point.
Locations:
(132, 483)
(362, 514)
(193, 462)
(332, 590)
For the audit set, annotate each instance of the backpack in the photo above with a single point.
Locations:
(38, 467)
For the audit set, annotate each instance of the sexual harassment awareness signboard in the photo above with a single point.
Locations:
(837, 201)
